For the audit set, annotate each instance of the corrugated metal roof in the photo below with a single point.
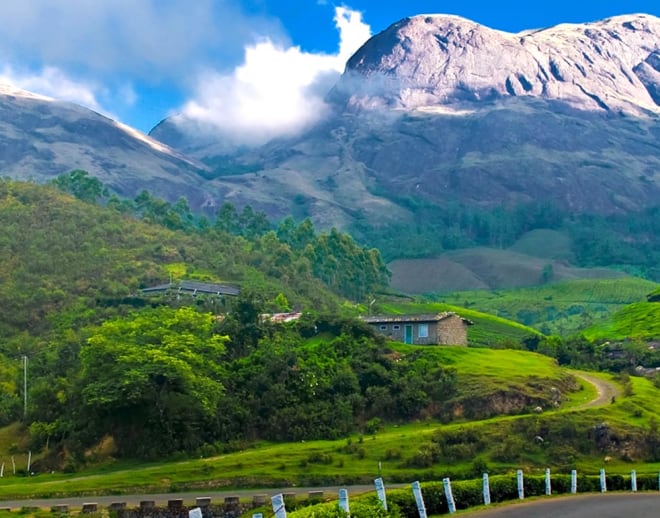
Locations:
(195, 287)
(425, 317)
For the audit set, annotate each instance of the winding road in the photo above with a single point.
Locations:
(606, 391)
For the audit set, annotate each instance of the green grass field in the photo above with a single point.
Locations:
(557, 308)
(636, 321)
(498, 443)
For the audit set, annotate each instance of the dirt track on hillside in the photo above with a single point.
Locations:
(606, 391)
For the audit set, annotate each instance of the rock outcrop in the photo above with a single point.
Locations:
(429, 61)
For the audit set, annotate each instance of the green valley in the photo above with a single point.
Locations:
(129, 392)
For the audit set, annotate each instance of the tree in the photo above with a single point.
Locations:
(154, 379)
(81, 185)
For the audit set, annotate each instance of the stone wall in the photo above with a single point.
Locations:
(452, 331)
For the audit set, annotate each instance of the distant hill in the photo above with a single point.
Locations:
(487, 269)
(41, 138)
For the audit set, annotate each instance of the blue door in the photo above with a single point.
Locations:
(408, 333)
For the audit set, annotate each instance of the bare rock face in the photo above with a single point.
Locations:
(431, 61)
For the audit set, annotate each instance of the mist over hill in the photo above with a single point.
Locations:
(438, 108)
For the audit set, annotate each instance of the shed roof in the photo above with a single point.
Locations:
(422, 317)
(194, 288)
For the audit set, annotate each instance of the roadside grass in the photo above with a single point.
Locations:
(498, 444)
(559, 307)
(488, 330)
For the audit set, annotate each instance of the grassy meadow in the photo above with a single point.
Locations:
(559, 307)
(424, 450)
(637, 321)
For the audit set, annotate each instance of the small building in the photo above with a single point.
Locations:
(445, 328)
(192, 288)
(211, 295)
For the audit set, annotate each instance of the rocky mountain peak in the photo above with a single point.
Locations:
(431, 61)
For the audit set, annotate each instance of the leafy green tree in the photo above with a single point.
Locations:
(81, 185)
(154, 379)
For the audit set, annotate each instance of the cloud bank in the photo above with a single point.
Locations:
(277, 90)
(53, 82)
(227, 68)
(100, 53)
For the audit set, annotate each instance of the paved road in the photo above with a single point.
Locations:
(610, 505)
(188, 498)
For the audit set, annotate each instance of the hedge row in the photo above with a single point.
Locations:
(469, 493)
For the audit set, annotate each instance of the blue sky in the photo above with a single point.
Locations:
(252, 68)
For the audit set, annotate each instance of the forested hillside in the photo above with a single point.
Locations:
(70, 264)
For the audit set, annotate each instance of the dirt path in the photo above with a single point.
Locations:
(606, 391)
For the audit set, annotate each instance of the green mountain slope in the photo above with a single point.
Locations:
(640, 320)
(558, 307)
(426, 449)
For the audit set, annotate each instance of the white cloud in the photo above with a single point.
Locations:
(150, 40)
(276, 89)
(52, 82)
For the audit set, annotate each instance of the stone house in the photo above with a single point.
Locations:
(445, 328)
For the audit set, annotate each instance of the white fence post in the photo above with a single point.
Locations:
(486, 490)
(603, 481)
(419, 499)
(521, 485)
(450, 497)
(279, 510)
(380, 490)
(633, 481)
(573, 481)
(548, 487)
(343, 500)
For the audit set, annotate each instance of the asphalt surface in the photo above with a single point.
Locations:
(609, 505)
(217, 497)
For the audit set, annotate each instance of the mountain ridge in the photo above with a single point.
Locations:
(611, 65)
(41, 138)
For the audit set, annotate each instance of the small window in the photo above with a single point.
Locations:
(383, 328)
(396, 327)
(423, 330)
